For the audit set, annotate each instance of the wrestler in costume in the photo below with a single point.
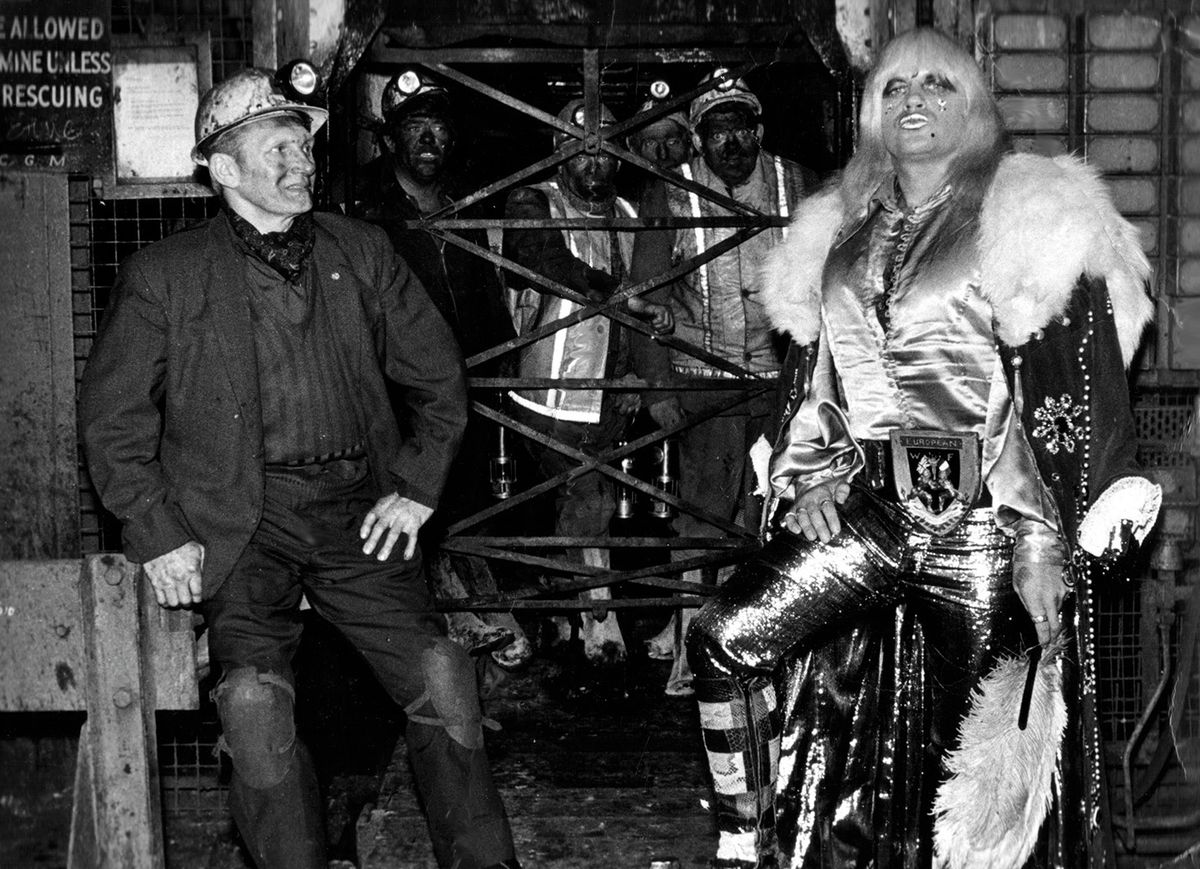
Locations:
(963, 318)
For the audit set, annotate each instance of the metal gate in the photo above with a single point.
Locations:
(767, 34)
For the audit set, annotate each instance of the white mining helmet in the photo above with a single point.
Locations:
(731, 90)
(251, 94)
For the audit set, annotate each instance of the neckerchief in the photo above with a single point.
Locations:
(286, 252)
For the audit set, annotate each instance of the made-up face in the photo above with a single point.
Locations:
(424, 142)
(924, 117)
(729, 142)
(663, 143)
(271, 174)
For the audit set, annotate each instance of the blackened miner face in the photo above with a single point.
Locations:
(729, 140)
(663, 143)
(590, 178)
(424, 143)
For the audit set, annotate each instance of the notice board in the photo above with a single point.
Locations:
(55, 86)
(157, 85)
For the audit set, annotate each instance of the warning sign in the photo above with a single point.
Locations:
(55, 86)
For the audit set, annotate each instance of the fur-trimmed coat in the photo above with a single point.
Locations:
(1067, 283)
(1066, 278)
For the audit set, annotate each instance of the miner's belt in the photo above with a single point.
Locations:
(878, 476)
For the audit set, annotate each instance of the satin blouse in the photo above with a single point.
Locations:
(907, 341)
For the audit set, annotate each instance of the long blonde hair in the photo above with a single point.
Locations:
(985, 138)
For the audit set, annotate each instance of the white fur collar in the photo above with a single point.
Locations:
(1044, 223)
(792, 272)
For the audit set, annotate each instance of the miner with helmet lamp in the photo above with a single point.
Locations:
(411, 178)
(249, 95)
(727, 128)
(593, 261)
(418, 132)
(236, 417)
(716, 306)
(665, 141)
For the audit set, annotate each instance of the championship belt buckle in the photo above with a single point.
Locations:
(936, 475)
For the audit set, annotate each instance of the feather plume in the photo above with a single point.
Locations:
(990, 809)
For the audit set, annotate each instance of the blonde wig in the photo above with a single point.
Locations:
(985, 140)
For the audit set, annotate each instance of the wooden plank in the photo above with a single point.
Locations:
(292, 21)
(169, 648)
(264, 38)
(42, 663)
(82, 847)
(39, 478)
(120, 732)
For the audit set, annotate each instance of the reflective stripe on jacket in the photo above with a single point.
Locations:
(717, 306)
(579, 351)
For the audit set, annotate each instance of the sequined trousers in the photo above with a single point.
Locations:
(831, 679)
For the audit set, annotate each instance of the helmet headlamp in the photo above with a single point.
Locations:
(297, 79)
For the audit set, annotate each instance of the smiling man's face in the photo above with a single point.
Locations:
(269, 178)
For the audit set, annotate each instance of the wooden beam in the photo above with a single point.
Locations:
(118, 806)
(265, 39)
(42, 661)
(687, 38)
(292, 30)
(39, 477)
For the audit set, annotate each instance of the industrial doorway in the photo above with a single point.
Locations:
(510, 70)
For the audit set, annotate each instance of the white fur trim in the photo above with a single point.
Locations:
(1044, 223)
(792, 272)
(1129, 499)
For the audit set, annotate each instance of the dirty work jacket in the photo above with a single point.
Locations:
(169, 405)
(583, 260)
(718, 306)
(464, 286)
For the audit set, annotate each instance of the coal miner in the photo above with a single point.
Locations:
(717, 307)
(236, 419)
(411, 179)
(593, 262)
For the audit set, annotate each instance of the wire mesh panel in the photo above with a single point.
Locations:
(190, 770)
(103, 233)
(228, 22)
(1119, 661)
